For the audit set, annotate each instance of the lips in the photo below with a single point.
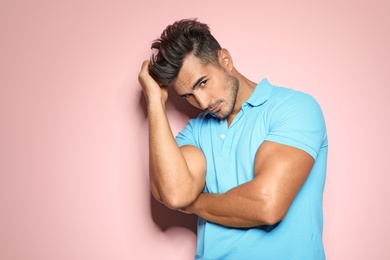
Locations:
(216, 108)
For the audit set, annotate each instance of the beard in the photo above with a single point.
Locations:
(232, 86)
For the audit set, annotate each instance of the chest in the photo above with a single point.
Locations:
(230, 151)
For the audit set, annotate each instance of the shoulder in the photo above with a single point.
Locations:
(293, 102)
(296, 119)
(291, 95)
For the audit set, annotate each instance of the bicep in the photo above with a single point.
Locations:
(196, 163)
(194, 173)
(280, 171)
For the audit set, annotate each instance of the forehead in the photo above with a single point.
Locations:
(191, 70)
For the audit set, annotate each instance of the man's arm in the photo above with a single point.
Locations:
(280, 172)
(177, 175)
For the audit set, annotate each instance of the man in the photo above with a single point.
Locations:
(251, 166)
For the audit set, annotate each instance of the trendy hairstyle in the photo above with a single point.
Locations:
(177, 41)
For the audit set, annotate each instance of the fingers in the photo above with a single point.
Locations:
(151, 88)
(145, 64)
(144, 71)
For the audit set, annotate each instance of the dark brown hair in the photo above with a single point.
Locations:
(177, 41)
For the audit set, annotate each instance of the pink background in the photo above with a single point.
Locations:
(73, 135)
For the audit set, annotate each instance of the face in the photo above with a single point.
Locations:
(207, 87)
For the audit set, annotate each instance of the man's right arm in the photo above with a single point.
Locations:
(177, 175)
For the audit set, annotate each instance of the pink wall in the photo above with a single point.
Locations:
(73, 135)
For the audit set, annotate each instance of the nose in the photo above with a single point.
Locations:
(202, 100)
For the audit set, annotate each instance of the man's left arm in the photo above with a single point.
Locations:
(282, 164)
(279, 173)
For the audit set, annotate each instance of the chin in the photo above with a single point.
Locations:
(222, 115)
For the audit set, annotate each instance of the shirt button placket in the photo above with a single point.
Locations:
(222, 129)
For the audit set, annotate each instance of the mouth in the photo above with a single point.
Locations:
(215, 109)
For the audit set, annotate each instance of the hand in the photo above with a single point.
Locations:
(152, 91)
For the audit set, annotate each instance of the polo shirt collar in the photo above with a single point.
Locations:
(260, 94)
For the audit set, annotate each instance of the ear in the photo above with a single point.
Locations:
(225, 60)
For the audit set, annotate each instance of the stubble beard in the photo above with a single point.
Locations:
(232, 85)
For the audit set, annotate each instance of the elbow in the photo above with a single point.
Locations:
(170, 201)
(271, 219)
(176, 201)
(271, 214)
(179, 198)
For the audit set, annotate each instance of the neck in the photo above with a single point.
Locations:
(245, 90)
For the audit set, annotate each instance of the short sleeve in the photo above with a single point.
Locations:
(187, 135)
(297, 120)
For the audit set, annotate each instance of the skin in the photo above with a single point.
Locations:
(177, 175)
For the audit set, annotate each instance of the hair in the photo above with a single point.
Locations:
(177, 41)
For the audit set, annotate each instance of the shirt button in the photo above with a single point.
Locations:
(221, 121)
(222, 136)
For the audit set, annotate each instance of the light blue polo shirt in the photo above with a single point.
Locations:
(279, 115)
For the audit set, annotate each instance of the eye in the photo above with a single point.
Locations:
(186, 96)
(203, 83)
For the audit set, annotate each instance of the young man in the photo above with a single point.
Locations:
(251, 166)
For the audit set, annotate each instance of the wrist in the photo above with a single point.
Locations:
(155, 104)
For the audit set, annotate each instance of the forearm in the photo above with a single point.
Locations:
(177, 175)
(170, 177)
(241, 207)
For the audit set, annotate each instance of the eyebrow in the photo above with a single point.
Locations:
(197, 82)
